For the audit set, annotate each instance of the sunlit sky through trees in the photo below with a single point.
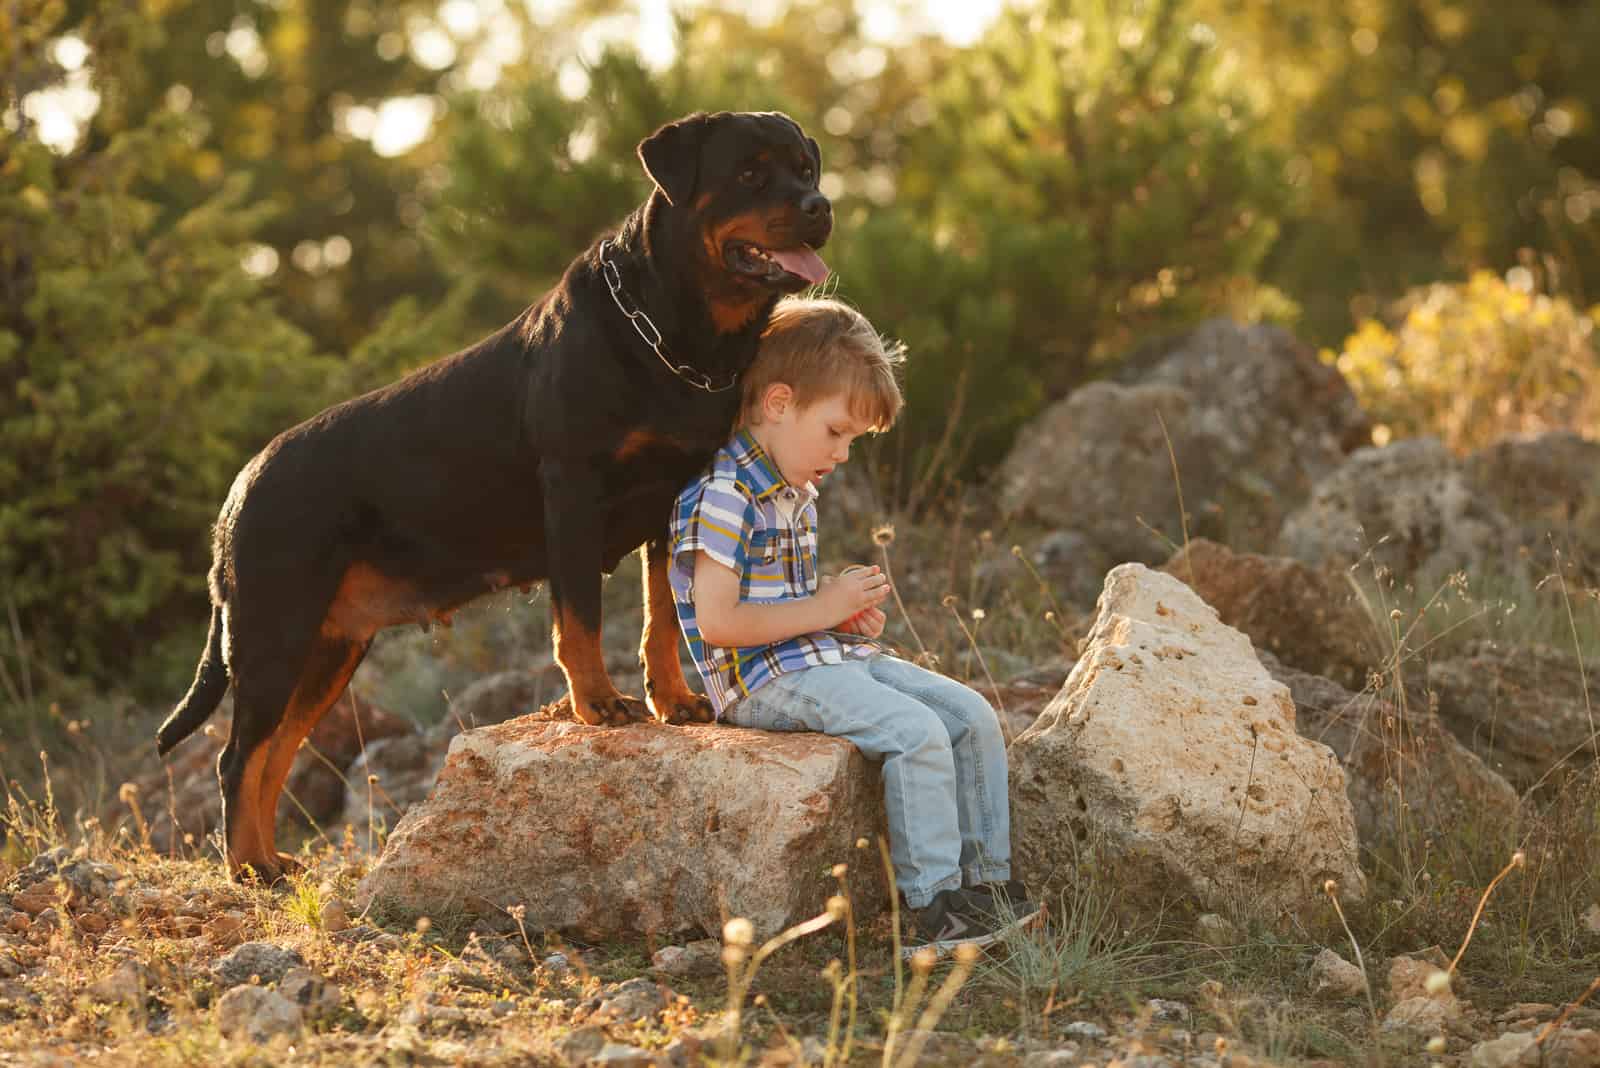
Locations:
(398, 124)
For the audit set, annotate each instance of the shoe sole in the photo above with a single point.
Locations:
(1021, 923)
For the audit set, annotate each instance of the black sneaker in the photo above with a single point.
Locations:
(1004, 903)
(949, 920)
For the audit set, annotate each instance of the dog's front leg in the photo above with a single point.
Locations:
(665, 688)
(575, 535)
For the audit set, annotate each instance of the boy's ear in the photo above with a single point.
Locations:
(777, 399)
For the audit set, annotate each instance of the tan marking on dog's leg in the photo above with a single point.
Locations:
(594, 699)
(312, 698)
(666, 690)
(245, 843)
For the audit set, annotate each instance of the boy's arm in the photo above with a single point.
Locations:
(725, 620)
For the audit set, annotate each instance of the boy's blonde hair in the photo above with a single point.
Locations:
(821, 348)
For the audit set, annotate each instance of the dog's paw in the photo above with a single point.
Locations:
(684, 707)
(614, 710)
(274, 873)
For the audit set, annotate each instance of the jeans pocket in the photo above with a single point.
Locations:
(765, 713)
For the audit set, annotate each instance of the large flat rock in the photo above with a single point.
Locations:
(646, 829)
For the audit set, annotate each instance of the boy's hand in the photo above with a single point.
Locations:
(852, 593)
(868, 623)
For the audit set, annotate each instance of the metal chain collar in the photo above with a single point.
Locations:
(647, 329)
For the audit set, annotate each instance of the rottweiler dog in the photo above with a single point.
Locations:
(546, 452)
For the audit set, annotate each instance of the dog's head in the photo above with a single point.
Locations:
(748, 181)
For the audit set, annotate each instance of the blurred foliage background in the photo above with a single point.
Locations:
(219, 216)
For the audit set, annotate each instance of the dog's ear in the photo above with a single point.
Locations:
(671, 157)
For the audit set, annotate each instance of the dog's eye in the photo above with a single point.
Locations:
(755, 177)
(807, 173)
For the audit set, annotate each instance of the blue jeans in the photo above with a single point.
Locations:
(944, 762)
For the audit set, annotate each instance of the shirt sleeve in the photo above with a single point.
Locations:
(718, 522)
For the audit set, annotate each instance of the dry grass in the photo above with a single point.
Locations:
(450, 993)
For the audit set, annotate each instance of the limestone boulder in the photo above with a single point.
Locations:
(1521, 708)
(1173, 751)
(1548, 485)
(1408, 507)
(1254, 420)
(390, 777)
(647, 829)
(1396, 761)
(1309, 618)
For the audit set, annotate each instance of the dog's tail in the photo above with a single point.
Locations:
(210, 683)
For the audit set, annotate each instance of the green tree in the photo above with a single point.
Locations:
(140, 365)
(1084, 175)
(1431, 139)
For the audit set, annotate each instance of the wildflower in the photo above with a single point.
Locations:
(977, 615)
(883, 535)
(738, 931)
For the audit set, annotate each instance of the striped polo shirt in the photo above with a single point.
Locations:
(745, 516)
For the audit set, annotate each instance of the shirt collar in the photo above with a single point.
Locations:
(767, 482)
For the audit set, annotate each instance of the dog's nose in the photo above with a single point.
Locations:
(815, 205)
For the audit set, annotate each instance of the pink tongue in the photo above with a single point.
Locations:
(803, 262)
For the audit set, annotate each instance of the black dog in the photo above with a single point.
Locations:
(549, 450)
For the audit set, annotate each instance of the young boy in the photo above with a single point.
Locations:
(781, 648)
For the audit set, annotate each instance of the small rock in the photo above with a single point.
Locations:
(1409, 978)
(125, 986)
(1065, 1057)
(620, 1056)
(334, 916)
(1424, 1015)
(1525, 1009)
(225, 928)
(1334, 978)
(580, 1045)
(1162, 1011)
(10, 967)
(37, 898)
(151, 903)
(1085, 1029)
(257, 1014)
(47, 920)
(1591, 919)
(1516, 1048)
(702, 958)
(630, 1001)
(318, 998)
(1214, 930)
(427, 1014)
(1572, 1049)
(270, 962)
(503, 1007)
(557, 963)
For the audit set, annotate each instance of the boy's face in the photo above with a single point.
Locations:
(805, 444)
